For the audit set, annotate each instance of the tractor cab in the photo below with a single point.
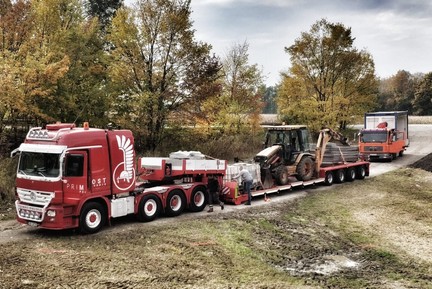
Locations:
(292, 139)
(286, 153)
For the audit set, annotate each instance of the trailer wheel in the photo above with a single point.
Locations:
(199, 199)
(361, 172)
(176, 202)
(281, 176)
(149, 208)
(340, 176)
(92, 218)
(305, 169)
(350, 174)
(329, 178)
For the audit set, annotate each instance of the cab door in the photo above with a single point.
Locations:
(75, 176)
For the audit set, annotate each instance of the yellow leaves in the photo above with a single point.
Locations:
(54, 71)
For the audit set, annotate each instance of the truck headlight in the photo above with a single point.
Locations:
(51, 213)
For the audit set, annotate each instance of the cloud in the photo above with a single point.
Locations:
(398, 33)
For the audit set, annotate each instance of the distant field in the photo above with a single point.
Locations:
(273, 118)
(420, 119)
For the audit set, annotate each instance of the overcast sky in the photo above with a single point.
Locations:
(398, 33)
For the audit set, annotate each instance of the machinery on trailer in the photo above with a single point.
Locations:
(288, 162)
(385, 135)
(71, 177)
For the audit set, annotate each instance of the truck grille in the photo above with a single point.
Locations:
(373, 148)
(35, 197)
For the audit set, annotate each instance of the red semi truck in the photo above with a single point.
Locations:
(71, 177)
(82, 177)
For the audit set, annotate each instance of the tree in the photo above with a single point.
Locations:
(104, 10)
(239, 103)
(269, 99)
(157, 68)
(329, 80)
(422, 103)
(397, 91)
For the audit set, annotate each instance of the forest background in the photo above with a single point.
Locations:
(141, 68)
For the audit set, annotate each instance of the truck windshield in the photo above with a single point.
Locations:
(374, 136)
(39, 164)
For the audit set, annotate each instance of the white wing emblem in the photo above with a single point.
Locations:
(126, 146)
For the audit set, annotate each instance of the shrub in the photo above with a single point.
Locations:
(7, 178)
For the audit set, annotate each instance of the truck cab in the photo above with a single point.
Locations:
(385, 135)
(63, 169)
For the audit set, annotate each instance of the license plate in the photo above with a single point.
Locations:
(33, 224)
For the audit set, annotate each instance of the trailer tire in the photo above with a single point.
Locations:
(92, 218)
(149, 208)
(340, 176)
(329, 178)
(199, 199)
(175, 203)
(350, 174)
(305, 169)
(361, 172)
(281, 175)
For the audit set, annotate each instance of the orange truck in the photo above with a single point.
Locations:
(384, 136)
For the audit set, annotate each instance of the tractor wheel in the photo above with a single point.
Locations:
(198, 199)
(92, 218)
(281, 176)
(176, 203)
(305, 169)
(149, 208)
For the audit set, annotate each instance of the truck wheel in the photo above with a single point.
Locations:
(340, 176)
(401, 153)
(92, 218)
(149, 208)
(305, 169)
(329, 178)
(361, 172)
(281, 176)
(350, 174)
(198, 199)
(176, 202)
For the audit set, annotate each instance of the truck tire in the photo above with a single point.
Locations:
(281, 176)
(329, 178)
(199, 199)
(149, 208)
(361, 173)
(350, 174)
(340, 176)
(92, 217)
(401, 153)
(175, 203)
(305, 169)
